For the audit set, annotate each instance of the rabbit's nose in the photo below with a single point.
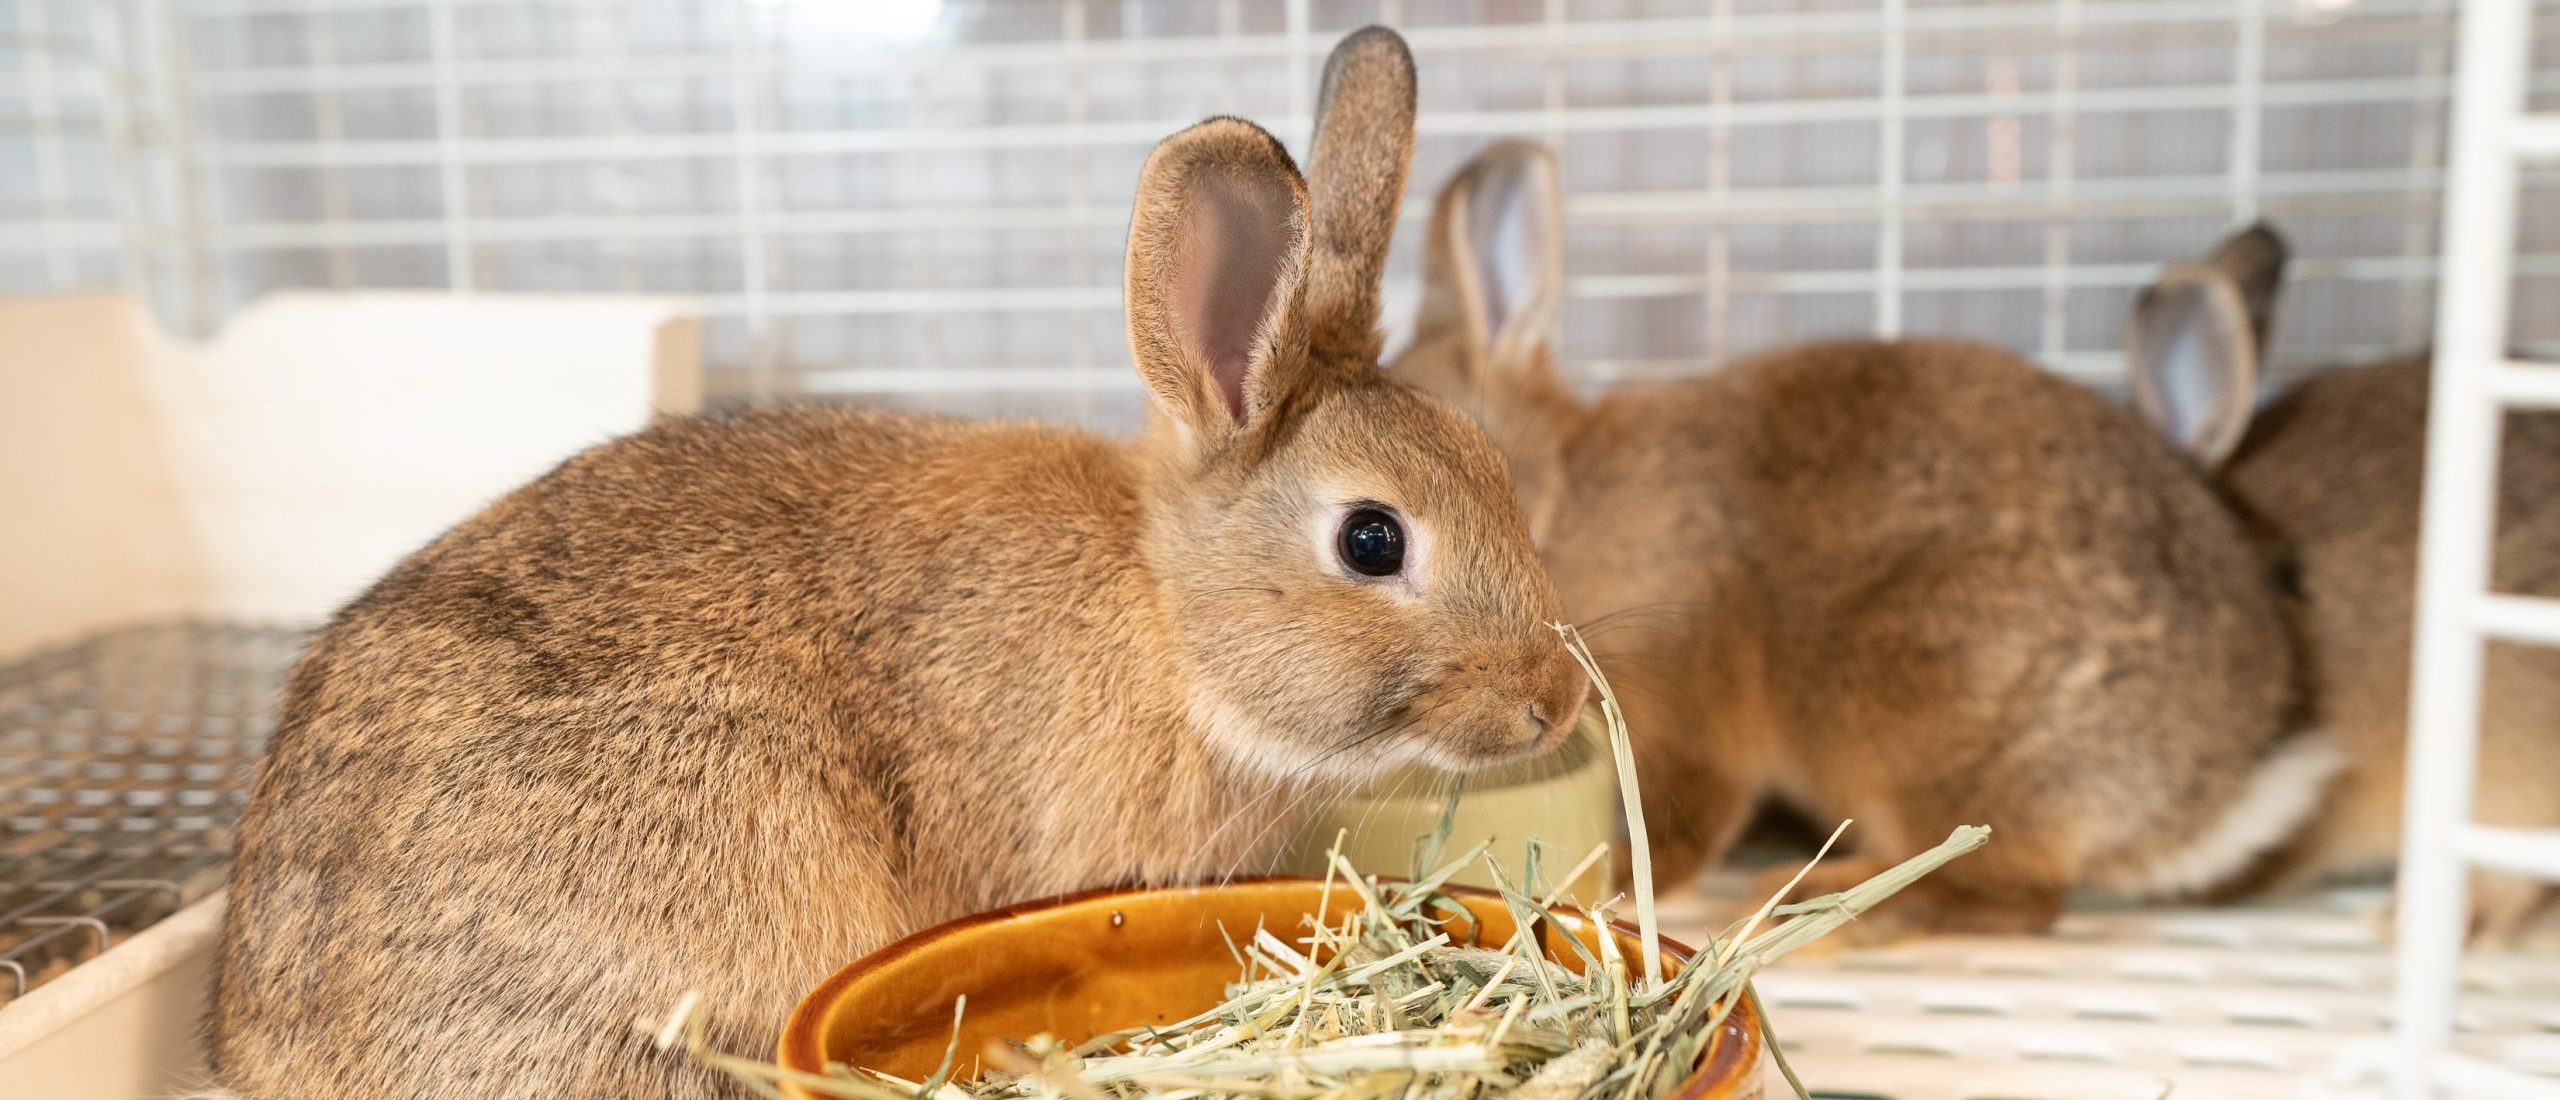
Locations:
(1565, 692)
(1530, 727)
(1524, 733)
(1534, 730)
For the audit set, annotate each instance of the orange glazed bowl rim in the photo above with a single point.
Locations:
(1721, 1068)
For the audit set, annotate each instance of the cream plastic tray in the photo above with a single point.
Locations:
(122, 1026)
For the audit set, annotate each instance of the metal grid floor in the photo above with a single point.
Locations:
(2283, 999)
(124, 760)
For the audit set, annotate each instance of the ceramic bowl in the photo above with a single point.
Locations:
(1078, 966)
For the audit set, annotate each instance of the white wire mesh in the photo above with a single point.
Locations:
(57, 224)
(924, 201)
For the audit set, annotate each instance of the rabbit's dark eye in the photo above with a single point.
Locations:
(1372, 543)
(2286, 576)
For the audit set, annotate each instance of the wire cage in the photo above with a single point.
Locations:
(922, 201)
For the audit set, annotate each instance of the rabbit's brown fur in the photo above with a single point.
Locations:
(727, 703)
(2329, 473)
(1920, 584)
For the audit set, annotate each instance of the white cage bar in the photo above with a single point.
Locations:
(2458, 614)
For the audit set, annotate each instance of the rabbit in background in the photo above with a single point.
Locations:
(727, 703)
(1919, 584)
(2328, 477)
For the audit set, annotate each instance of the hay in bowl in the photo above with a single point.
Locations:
(1136, 993)
(1348, 987)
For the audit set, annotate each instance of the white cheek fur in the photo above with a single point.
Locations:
(1283, 758)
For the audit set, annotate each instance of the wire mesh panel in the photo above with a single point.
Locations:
(124, 760)
(923, 200)
(58, 220)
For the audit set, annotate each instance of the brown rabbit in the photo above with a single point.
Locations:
(727, 703)
(1919, 584)
(2329, 474)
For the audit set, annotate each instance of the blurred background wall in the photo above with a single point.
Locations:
(922, 201)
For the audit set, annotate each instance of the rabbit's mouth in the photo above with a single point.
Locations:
(1522, 738)
(1485, 713)
(1457, 719)
(1464, 730)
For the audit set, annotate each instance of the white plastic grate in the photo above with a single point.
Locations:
(922, 200)
(2256, 1002)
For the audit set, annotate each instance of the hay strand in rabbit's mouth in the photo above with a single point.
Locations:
(1380, 1001)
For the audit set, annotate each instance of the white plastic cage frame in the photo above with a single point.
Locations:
(922, 200)
(2459, 614)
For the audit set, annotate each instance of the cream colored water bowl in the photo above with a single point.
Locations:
(1567, 800)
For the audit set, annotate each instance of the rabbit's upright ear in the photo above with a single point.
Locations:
(2197, 341)
(1355, 174)
(1217, 250)
(2253, 259)
(1495, 268)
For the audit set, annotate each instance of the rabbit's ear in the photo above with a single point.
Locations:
(1217, 250)
(1355, 176)
(2195, 363)
(1496, 260)
(2196, 343)
(2253, 259)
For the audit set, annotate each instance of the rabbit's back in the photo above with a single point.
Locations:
(2003, 542)
(2334, 469)
(1966, 585)
(685, 685)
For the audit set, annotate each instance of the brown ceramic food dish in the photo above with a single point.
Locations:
(1077, 966)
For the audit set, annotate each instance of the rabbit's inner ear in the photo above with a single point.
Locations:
(1229, 263)
(1501, 246)
(2195, 364)
(1509, 231)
